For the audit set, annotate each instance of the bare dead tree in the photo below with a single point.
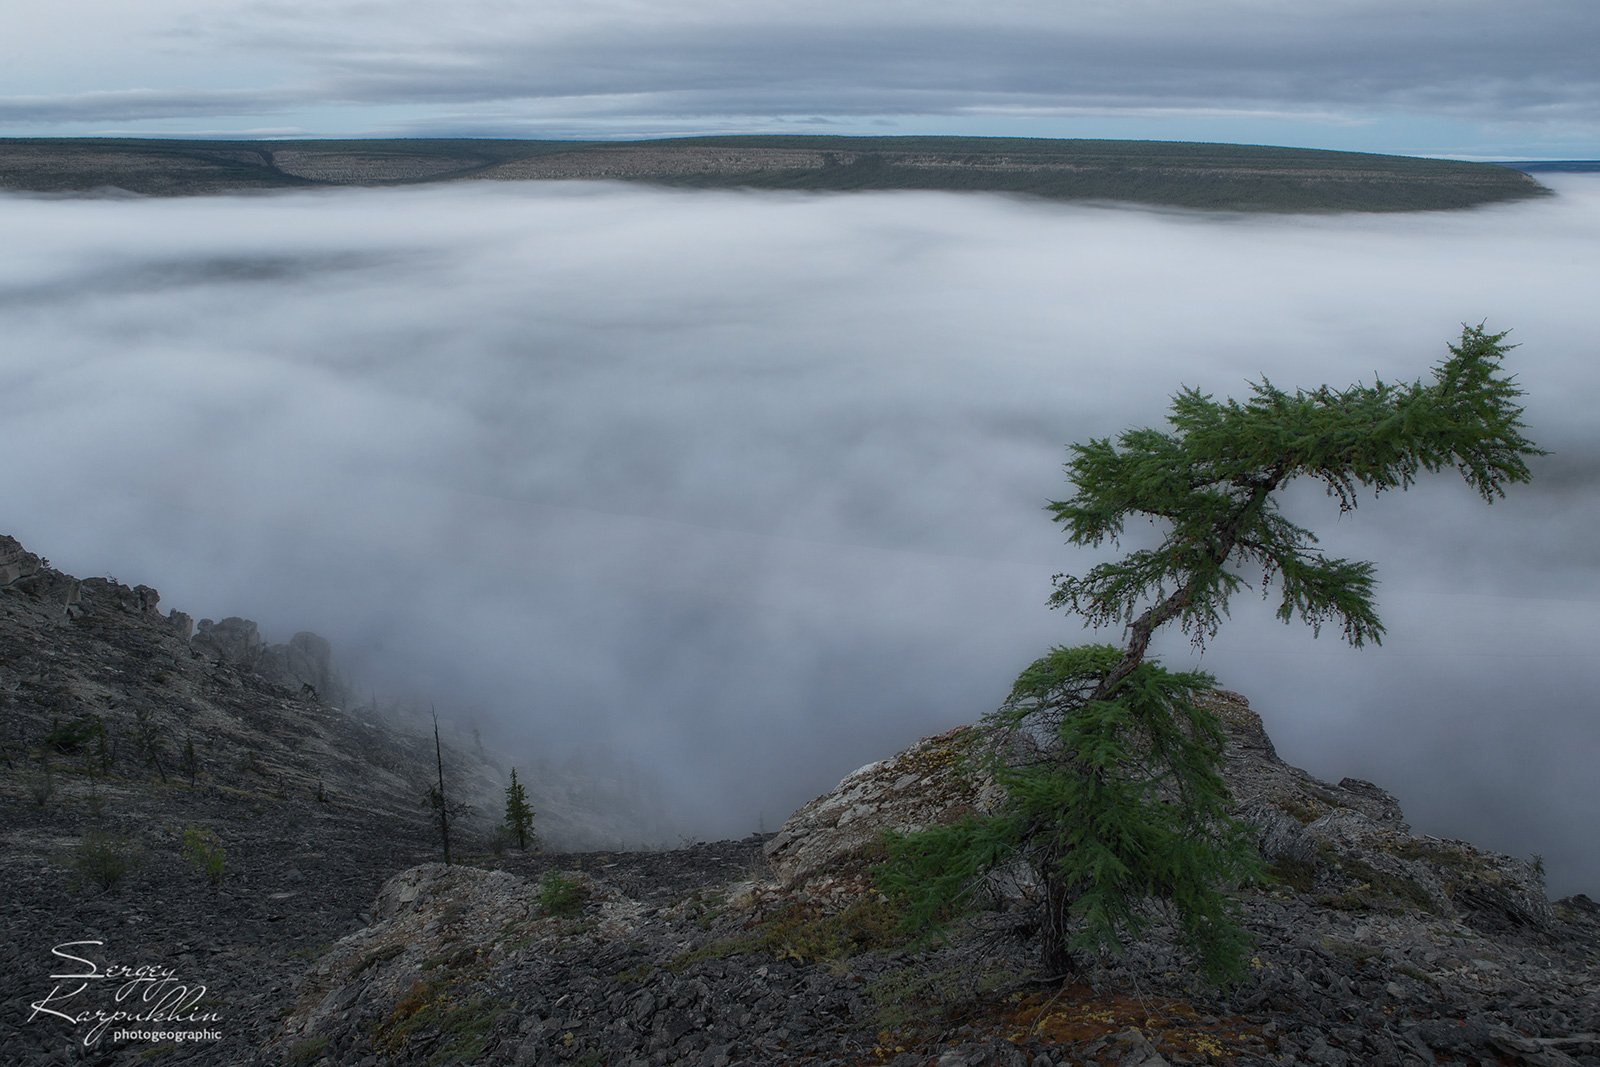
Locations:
(437, 796)
(149, 739)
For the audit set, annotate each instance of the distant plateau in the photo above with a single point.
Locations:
(1215, 177)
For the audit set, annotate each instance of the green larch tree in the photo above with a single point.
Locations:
(1112, 764)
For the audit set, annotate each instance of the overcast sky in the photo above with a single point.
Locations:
(1468, 78)
(748, 489)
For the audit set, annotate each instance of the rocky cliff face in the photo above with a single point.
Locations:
(304, 665)
(94, 678)
(119, 735)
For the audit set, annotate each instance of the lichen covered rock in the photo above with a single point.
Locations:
(936, 780)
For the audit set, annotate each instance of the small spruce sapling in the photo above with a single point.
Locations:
(519, 816)
(1112, 764)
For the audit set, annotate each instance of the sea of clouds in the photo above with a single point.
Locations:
(747, 490)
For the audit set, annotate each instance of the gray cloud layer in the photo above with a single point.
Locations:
(642, 66)
(749, 488)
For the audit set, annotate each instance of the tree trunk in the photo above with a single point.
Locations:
(444, 804)
(1055, 957)
(1141, 629)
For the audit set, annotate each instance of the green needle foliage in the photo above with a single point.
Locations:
(1211, 479)
(1110, 763)
(1119, 800)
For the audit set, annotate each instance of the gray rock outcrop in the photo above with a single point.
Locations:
(23, 572)
(16, 562)
(935, 781)
(234, 641)
(306, 661)
(1348, 842)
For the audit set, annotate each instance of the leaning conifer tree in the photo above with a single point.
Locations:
(1110, 763)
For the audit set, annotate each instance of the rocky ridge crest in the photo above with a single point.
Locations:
(1374, 945)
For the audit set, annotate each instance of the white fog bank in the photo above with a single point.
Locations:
(748, 488)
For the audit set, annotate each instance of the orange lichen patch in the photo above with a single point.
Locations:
(1077, 1014)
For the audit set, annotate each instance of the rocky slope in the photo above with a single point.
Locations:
(122, 731)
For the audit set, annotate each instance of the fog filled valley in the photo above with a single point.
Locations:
(741, 491)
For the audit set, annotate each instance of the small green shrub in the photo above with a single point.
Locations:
(1299, 875)
(560, 895)
(67, 738)
(307, 1051)
(1354, 951)
(915, 998)
(452, 959)
(1454, 858)
(1304, 810)
(807, 934)
(410, 1011)
(463, 1026)
(1377, 890)
(205, 853)
(42, 784)
(102, 860)
(465, 1029)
